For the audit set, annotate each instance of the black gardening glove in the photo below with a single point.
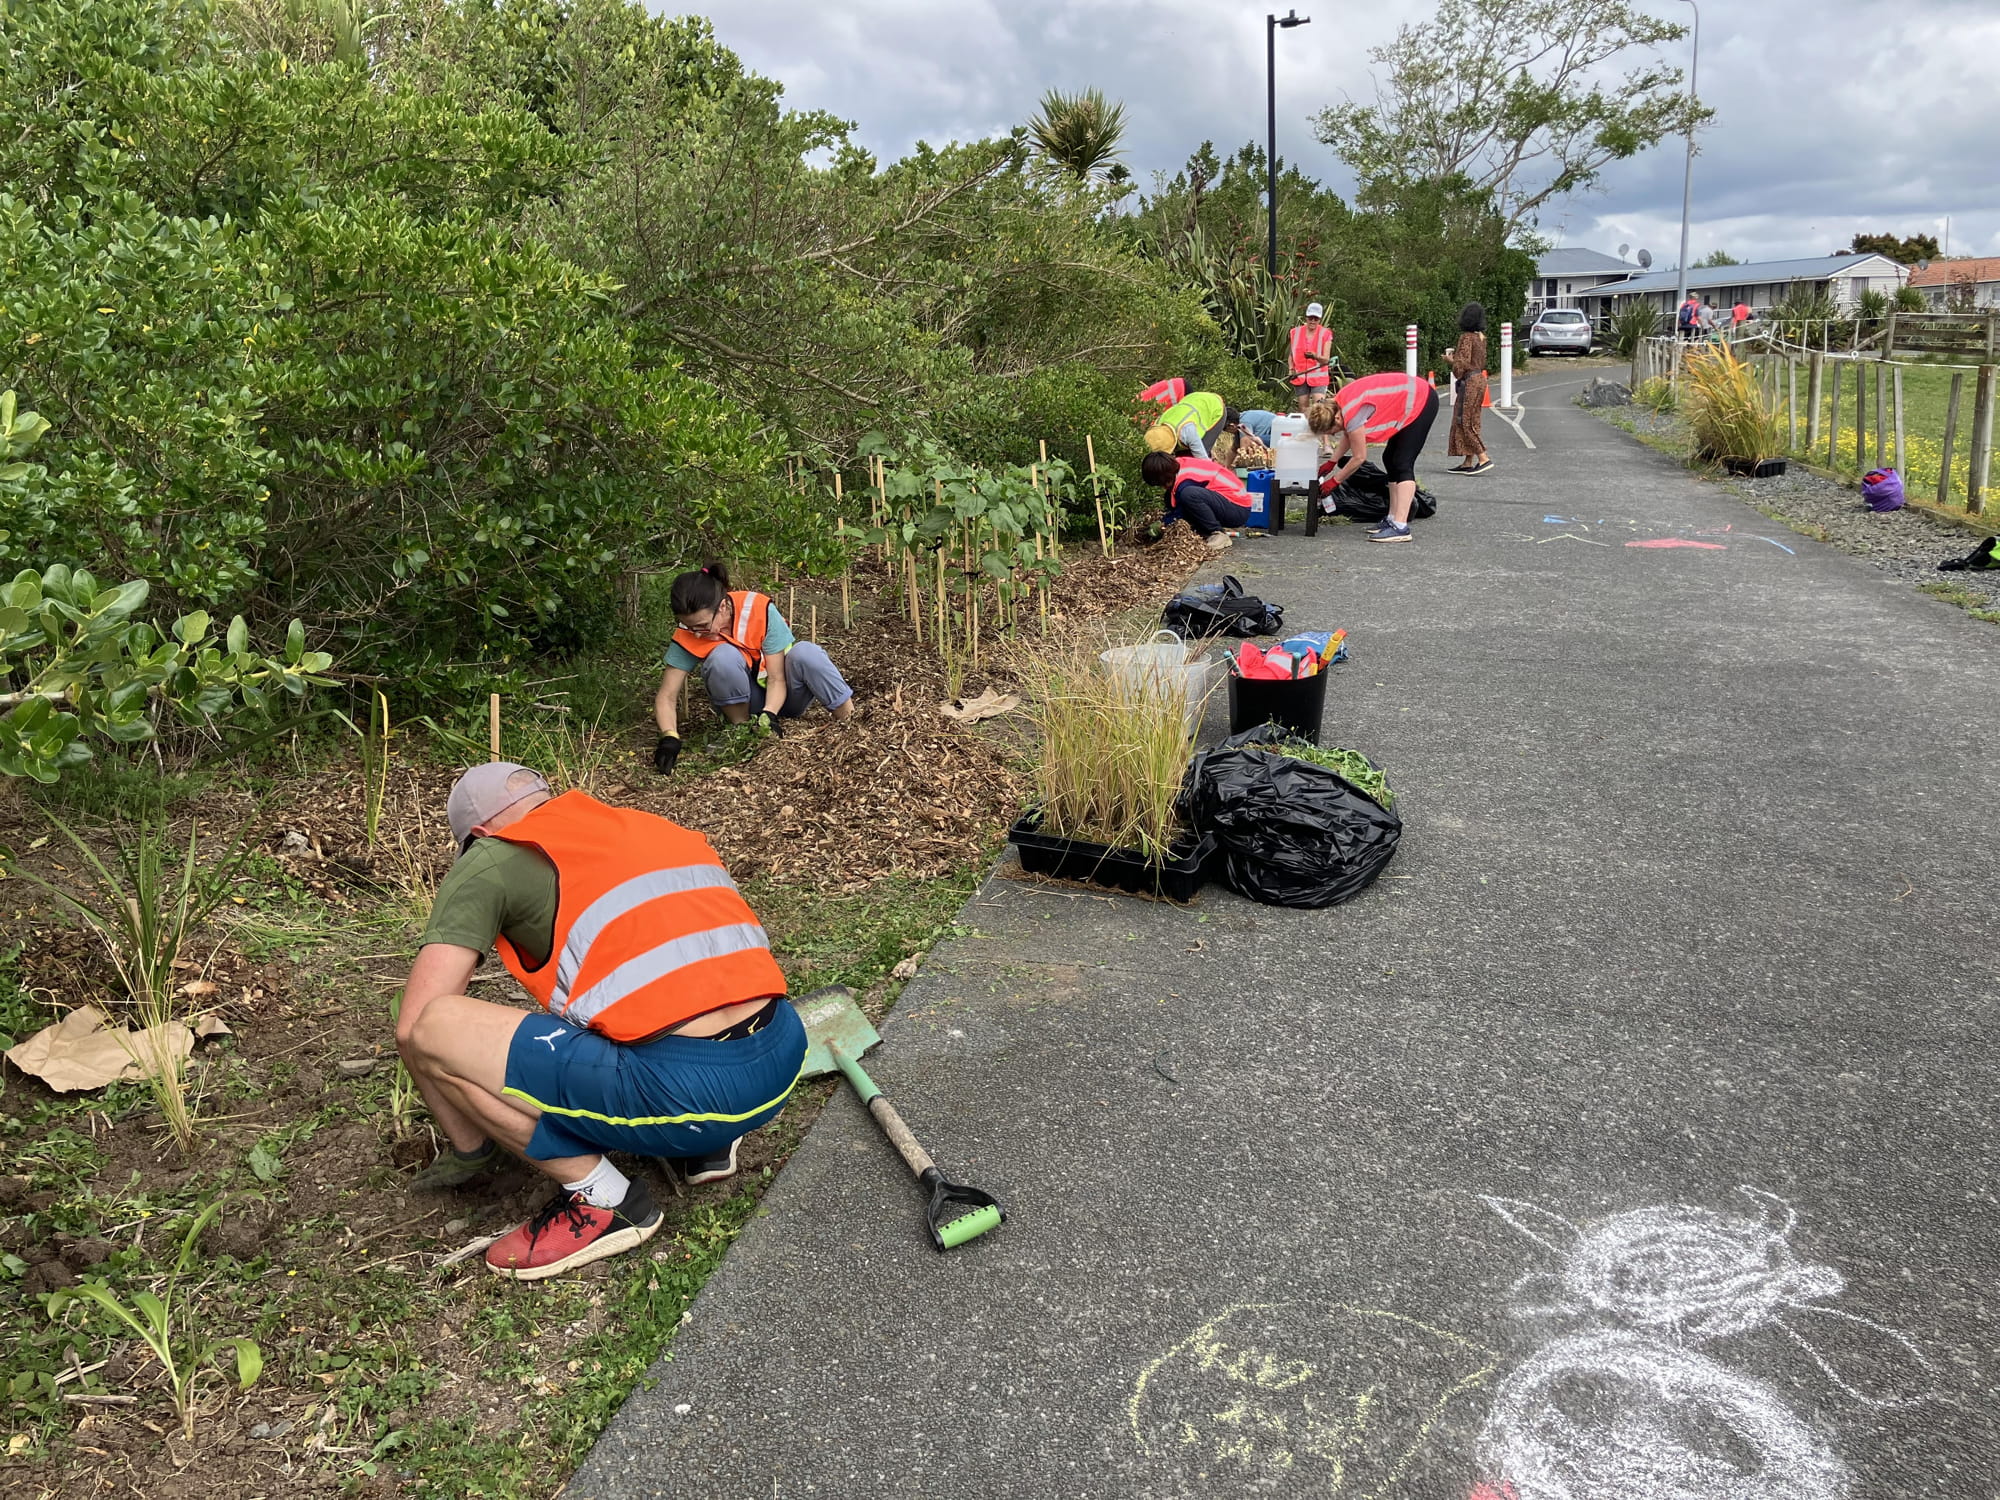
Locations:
(666, 753)
(769, 722)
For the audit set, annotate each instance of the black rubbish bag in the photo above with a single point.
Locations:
(1287, 832)
(1365, 496)
(1221, 609)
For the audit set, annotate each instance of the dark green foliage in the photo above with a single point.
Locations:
(1908, 250)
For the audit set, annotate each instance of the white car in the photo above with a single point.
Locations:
(1562, 330)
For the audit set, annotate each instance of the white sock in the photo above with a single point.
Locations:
(604, 1187)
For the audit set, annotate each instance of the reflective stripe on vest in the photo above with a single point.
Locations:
(1203, 408)
(650, 931)
(1396, 398)
(751, 617)
(1211, 475)
(1304, 350)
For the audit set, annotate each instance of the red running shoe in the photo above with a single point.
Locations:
(570, 1232)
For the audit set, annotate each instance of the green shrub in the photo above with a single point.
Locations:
(1634, 323)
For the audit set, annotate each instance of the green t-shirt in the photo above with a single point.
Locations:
(778, 638)
(496, 887)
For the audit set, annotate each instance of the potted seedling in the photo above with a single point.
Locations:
(1108, 770)
(1732, 422)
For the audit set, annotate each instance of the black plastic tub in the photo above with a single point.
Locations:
(1177, 877)
(1298, 703)
(1750, 468)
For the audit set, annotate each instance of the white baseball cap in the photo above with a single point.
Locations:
(1314, 310)
(485, 792)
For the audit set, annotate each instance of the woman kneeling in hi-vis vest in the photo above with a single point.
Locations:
(748, 659)
(1206, 495)
(663, 1029)
(1393, 410)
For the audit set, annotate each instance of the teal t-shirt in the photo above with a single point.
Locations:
(778, 638)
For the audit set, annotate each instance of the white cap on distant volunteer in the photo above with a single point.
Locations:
(1314, 310)
(485, 792)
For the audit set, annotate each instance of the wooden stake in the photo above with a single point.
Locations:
(1881, 402)
(493, 724)
(1896, 392)
(1950, 437)
(1045, 452)
(813, 634)
(1982, 440)
(1792, 400)
(1815, 383)
(846, 606)
(1097, 495)
(792, 608)
(1833, 425)
(1860, 419)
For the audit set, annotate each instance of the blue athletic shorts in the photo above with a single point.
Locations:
(676, 1096)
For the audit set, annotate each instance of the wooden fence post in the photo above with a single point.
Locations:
(1833, 418)
(1792, 401)
(1982, 441)
(1860, 417)
(1815, 380)
(1902, 453)
(1950, 436)
(1881, 406)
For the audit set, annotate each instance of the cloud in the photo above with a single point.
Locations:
(1833, 115)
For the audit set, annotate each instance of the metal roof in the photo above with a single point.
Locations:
(1813, 268)
(1579, 262)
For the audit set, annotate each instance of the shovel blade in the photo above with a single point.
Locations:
(833, 1019)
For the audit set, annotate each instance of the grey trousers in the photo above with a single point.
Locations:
(810, 676)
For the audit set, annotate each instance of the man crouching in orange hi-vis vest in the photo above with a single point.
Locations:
(663, 1029)
(748, 659)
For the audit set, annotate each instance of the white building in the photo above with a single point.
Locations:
(1762, 284)
(1973, 279)
(1562, 277)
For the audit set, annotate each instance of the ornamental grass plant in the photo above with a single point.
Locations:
(1725, 410)
(1111, 757)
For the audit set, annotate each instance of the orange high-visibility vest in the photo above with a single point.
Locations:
(1166, 392)
(650, 930)
(1396, 398)
(1211, 475)
(1305, 349)
(750, 618)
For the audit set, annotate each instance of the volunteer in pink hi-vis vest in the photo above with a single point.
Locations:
(1311, 353)
(1395, 410)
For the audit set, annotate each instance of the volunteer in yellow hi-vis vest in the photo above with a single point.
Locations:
(1195, 423)
(748, 659)
(663, 1028)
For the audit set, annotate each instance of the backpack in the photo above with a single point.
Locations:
(1221, 609)
(1986, 555)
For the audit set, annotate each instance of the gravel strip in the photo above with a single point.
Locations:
(1907, 544)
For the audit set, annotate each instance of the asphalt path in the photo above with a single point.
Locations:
(1631, 1138)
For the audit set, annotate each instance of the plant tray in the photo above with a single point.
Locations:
(1750, 468)
(1177, 877)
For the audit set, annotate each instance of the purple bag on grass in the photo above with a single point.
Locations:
(1882, 489)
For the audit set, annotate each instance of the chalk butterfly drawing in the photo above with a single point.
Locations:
(1635, 1402)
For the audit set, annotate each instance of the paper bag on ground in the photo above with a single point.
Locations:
(82, 1052)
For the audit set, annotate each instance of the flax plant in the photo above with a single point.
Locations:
(145, 908)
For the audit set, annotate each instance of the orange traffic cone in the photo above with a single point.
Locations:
(1489, 397)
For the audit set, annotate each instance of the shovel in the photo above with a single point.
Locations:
(838, 1034)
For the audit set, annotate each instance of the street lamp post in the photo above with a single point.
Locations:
(1687, 180)
(1271, 25)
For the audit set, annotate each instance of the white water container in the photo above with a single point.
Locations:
(1297, 461)
(1285, 425)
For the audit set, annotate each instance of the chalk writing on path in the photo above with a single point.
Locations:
(1622, 1404)
(1633, 523)
(1678, 541)
(1333, 1401)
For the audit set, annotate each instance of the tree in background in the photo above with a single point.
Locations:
(1416, 254)
(1716, 258)
(1907, 251)
(1080, 134)
(1516, 98)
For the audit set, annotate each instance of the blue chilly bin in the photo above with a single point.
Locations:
(1260, 483)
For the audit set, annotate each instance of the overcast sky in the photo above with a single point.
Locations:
(1833, 115)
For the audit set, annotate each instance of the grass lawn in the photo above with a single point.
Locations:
(1926, 397)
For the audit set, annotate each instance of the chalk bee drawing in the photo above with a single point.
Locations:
(1626, 1406)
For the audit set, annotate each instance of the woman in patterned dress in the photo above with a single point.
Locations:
(1468, 368)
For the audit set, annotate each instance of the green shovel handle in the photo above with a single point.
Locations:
(863, 1084)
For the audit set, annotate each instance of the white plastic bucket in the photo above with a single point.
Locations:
(1160, 666)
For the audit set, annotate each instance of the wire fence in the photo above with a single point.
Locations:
(1857, 409)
